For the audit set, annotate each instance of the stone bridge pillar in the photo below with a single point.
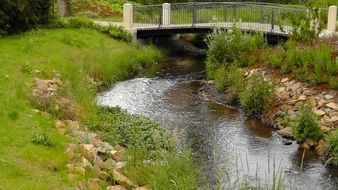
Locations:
(166, 14)
(332, 19)
(128, 16)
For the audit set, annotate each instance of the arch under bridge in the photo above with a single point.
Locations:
(193, 17)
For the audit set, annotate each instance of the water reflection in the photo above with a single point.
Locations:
(226, 145)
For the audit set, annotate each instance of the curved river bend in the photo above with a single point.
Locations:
(226, 145)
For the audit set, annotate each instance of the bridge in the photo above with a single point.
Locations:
(193, 17)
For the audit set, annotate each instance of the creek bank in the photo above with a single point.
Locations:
(291, 94)
(88, 154)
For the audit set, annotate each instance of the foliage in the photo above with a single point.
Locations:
(79, 58)
(21, 15)
(118, 127)
(273, 57)
(333, 82)
(120, 34)
(226, 47)
(168, 170)
(306, 125)
(42, 139)
(257, 94)
(332, 146)
(230, 80)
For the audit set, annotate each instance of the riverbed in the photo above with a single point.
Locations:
(229, 148)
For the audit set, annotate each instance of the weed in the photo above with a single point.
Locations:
(255, 97)
(42, 139)
(306, 125)
(332, 146)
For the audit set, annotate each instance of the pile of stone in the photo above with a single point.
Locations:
(89, 154)
(291, 96)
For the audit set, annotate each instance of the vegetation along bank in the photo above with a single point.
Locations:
(291, 86)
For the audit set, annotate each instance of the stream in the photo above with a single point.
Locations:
(228, 147)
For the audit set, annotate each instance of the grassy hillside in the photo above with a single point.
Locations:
(75, 57)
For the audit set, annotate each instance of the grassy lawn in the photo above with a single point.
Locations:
(73, 55)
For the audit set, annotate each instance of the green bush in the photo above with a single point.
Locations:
(80, 22)
(257, 94)
(226, 47)
(230, 80)
(21, 15)
(306, 125)
(119, 127)
(120, 34)
(332, 146)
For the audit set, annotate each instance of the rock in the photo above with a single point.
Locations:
(122, 180)
(310, 142)
(333, 119)
(333, 114)
(86, 163)
(98, 162)
(286, 142)
(332, 105)
(328, 110)
(70, 168)
(211, 82)
(116, 187)
(302, 98)
(141, 188)
(285, 80)
(70, 151)
(284, 96)
(73, 124)
(281, 89)
(319, 112)
(59, 124)
(305, 146)
(294, 87)
(80, 170)
(103, 175)
(93, 184)
(87, 151)
(118, 147)
(312, 101)
(120, 165)
(116, 154)
(328, 97)
(110, 163)
(70, 176)
(308, 92)
(320, 148)
(286, 132)
(325, 129)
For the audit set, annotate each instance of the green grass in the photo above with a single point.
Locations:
(75, 55)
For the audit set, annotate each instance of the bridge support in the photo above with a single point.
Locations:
(332, 19)
(128, 16)
(166, 14)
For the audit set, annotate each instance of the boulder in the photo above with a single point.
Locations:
(320, 148)
(328, 97)
(294, 87)
(310, 142)
(302, 98)
(122, 180)
(285, 80)
(305, 146)
(93, 184)
(325, 129)
(116, 187)
(116, 154)
(286, 132)
(332, 105)
(110, 163)
(87, 151)
(319, 112)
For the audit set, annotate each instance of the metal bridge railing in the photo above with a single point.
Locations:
(258, 16)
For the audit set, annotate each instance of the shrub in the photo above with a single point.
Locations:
(226, 47)
(255, 97)
(332, 146)
(118, 127)
(21, 15)
(306, 125)
(120, 34)
(80, 22)
(230, 80)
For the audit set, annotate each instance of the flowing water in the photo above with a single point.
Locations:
(225, 144)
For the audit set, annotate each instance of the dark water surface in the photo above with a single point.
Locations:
(226, 145)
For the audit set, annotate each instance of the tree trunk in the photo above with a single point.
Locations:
(63, 9)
